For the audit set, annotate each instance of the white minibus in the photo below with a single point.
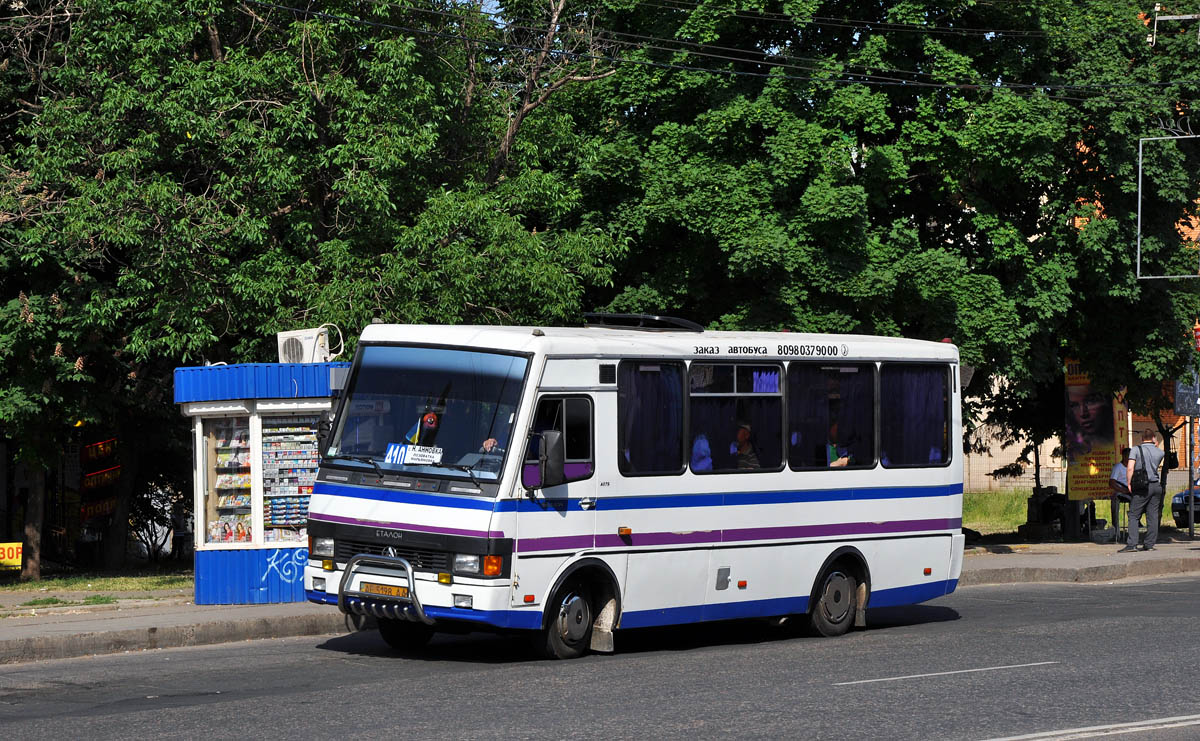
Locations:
(637, 471)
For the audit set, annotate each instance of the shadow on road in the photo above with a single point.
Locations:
(882, 618)
(476, 648)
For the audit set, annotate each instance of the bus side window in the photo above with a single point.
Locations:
(913, 414)
(736, 417)
(572, 416)
(831, 415)
(650, 399)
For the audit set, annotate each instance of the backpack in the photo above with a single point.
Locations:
(1139, 485)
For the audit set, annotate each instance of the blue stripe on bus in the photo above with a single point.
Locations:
(617, 503)
(321, 598)
(404, 497)
(614, 503)
(911, 595)
(521, 619)
(527, 619)
(722, 611)
(532, 619)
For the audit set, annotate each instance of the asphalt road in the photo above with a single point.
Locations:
(983, 663)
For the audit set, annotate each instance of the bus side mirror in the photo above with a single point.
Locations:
(324, 427)
(552, 455)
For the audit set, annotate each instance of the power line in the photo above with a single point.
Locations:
(692, 44)
(835, 22)
(981, 86)
(983, 83)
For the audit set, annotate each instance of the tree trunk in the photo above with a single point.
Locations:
(35, 511)
(1037, 465)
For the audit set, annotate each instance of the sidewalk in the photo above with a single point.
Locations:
(168, 619)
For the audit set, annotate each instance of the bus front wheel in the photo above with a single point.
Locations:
(568, 632)
(836, 600)
(403, 635)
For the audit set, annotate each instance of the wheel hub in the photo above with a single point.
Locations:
(574, 618)
(835, 597)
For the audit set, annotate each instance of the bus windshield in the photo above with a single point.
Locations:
(422, 410)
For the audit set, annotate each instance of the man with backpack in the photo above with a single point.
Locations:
(1145, 490)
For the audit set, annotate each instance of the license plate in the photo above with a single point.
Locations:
(387, 590)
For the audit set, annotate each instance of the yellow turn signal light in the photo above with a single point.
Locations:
(493, 565)
(327, 564)
(445, 578)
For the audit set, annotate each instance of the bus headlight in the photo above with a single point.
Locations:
(466, 563)
(320, 547)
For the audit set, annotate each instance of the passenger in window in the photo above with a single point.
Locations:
(701, 454)
(743, 447)
(837, 456)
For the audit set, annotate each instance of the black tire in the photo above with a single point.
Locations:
(403, 635)
(835, 602)
(568, 631)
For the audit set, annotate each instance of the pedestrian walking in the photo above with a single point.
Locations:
(1145, 494)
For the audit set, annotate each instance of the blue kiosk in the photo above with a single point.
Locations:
(254, 460)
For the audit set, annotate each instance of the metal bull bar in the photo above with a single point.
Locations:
(363, 603)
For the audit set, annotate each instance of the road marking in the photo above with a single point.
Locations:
(943, 674)
(1155, 724)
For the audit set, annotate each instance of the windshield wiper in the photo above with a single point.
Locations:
(362, 459)
(465, 469)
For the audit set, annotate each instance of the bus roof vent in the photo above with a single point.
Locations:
(649, 322)
(608, 373)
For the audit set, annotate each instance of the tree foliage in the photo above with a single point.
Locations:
(178, 181)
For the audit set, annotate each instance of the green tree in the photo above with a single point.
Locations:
(187, 180)
(907, 168)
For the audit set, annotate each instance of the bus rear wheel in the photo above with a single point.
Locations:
(833, 611)
(403, 635)
(568, 632)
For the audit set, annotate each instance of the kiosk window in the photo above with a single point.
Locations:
(572, 416)
(913, 419)
(831, 415)
(736, 417)
(650, 417)
(227, 500)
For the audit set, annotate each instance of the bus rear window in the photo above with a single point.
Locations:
(650, 397)
(914, 423)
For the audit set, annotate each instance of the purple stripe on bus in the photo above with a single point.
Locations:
(530, 545)
(838, 528)
(408, 526)
(696, 536)
(561, 542)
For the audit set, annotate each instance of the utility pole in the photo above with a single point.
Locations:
(1152, 37)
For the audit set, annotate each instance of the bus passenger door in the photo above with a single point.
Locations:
(555, 523)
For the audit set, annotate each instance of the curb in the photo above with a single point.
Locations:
(1106, 572)
(137, 639)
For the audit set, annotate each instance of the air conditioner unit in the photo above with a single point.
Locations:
(303, 345)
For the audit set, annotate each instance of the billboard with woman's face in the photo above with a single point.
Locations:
(1096, 430)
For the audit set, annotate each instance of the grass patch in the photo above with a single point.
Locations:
(994, 512)
(44, 602)
(105, 583)
(99, 599)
